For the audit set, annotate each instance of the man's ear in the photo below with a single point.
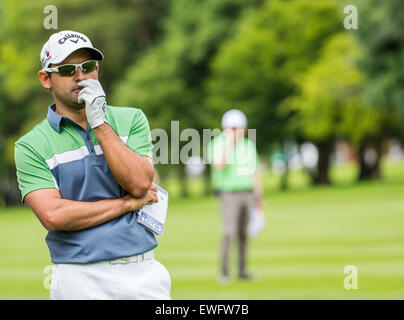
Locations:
(45, 80)
(98, 71)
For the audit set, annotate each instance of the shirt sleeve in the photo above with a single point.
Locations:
(140, 139)
(32, 171)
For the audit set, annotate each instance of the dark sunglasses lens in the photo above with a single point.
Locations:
(89, 66)
(67, 70)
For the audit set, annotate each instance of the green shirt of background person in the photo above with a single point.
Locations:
(234, 161)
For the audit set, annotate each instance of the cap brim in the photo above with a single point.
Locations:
(95, 53)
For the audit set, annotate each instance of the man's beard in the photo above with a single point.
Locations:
(69, 101)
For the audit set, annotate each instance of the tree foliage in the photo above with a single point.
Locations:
(255, 69)
(167, 81)
(380, 34)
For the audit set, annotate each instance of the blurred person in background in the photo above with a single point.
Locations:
(235, 179)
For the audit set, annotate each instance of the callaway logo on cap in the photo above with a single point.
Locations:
(60, 45)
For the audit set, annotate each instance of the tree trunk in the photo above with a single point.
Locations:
(11, 192)
(321, 176)
(208, 190)
(369, 166)
(284, 178)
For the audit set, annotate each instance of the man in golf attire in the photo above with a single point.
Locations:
(85, 171)
(234, 162)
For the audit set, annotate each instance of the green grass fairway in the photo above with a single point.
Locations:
(311, 235)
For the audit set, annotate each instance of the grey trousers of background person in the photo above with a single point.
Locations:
(235, 208)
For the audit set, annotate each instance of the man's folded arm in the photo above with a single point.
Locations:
(57, 214)
(130, 163)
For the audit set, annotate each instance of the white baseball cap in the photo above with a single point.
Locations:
(61, 44)
(234, 119)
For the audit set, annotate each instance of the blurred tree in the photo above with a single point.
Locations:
(16, 87)
(167, 82)
(254, 70)
(380, 33)
(329, 105)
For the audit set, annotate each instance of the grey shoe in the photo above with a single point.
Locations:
(224, 279)
(246, 276)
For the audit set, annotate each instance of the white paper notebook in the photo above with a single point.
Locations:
(153, 216)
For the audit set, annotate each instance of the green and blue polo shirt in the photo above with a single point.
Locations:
(58, 153)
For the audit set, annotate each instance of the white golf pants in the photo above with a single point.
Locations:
(121, 279)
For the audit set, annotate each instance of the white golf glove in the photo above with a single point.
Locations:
(94, 97)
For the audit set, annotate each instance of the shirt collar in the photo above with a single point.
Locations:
(54, 118)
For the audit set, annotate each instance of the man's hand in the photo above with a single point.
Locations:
(94, 97)
(136, 203)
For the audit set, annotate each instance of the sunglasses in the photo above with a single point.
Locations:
(67, 70)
